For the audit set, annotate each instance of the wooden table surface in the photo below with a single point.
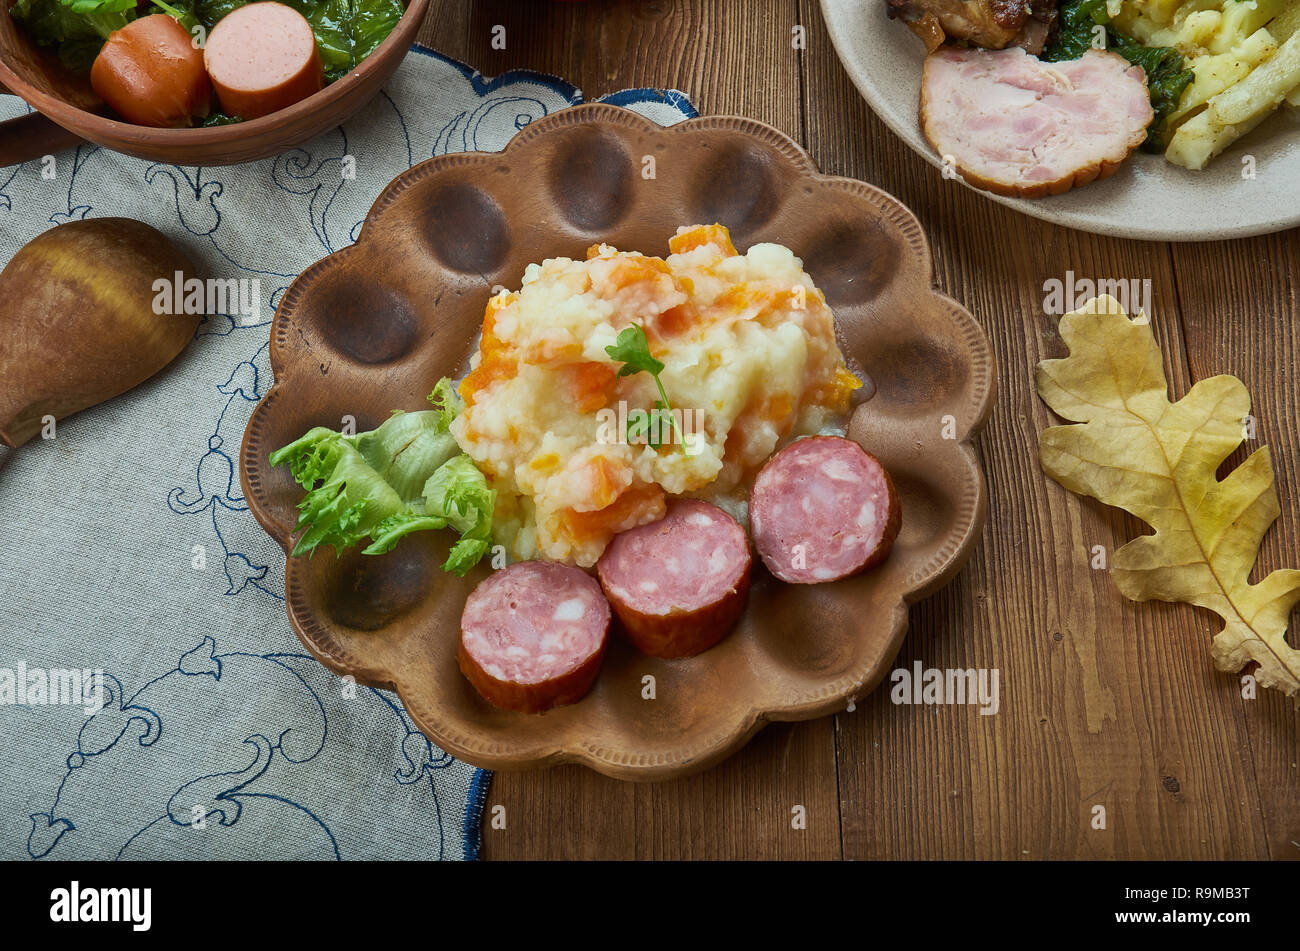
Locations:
(1103, 701)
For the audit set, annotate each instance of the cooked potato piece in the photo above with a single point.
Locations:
(1157, 13)
(1149, 14)
(1243, 58)
(1286, 23)
(1242, 18)
(1151, 25)
(1238, 109)
(1199, 139)
(1214, 74)
(1194, 33)
(1263, 89)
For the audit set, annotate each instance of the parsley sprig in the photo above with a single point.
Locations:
(632, 349)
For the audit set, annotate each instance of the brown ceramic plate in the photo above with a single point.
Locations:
(371, 328)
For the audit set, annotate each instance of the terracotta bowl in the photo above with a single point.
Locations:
(76, 113)
(372, 328)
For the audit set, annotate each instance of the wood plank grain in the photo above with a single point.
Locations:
(741, 809)
(728, 56)
(1242, 316)
(446, 27)
(1103, 703)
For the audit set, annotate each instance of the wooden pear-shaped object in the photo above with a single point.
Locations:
(77, 320)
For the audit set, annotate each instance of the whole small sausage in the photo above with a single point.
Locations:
(151, 73)
(823, 509)
(262, 57)
(533, 635)
(678, 585)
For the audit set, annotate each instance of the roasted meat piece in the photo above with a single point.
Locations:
(991, 24)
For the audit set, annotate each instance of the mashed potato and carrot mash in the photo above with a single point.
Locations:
(749, 353)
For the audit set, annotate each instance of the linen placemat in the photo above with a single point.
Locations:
(127, 550)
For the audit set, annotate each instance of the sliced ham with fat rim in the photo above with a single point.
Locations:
(823, 509)
(1018, 126)
(532, 636)
(678, 585)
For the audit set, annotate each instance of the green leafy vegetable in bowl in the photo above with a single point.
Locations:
(408, 475)
(347, 31)
(78, 28)
(1167, 79)
(220, 118)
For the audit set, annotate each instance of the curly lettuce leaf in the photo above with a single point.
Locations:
(459, 492)
(465, 554)
(405, 476)
(406, 449)
(345, 497)
(456, 495)
(463, 494)
(446, 402)
(397, 526)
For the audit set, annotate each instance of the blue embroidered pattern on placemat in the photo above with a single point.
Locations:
(126, 541)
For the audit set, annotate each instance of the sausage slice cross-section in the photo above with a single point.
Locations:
(532, 636)
(678, 585)
(823, 509)
(262, 57)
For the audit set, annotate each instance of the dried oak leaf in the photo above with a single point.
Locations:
(1157, 459)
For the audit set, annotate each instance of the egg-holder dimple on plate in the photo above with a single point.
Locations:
(371, 328)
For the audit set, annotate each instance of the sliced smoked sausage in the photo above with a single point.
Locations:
(822, 509)
(533, 635)
(262, 57)
(678, 585)
(152, 74)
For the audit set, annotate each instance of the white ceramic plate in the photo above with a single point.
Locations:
(1147, 198)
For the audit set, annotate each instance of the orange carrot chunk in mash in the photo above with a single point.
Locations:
(632, 270)
(589, 384)
(495, 304)
(676, 321)
(837, 392)
(637, 505)
(777, 408)
(494, 364)
(700, 236)
(491, 368)
(609, 480)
